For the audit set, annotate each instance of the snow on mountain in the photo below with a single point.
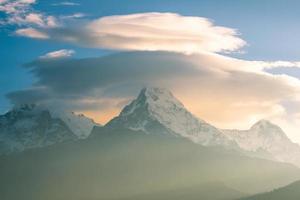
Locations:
(265, 136)
(156, 110)
(31, 126)
(79, 124)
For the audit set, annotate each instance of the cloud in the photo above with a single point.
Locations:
(28, 96)
(31, 33)
(21, 13)
(63, 53)
(66, 3)
(15, 6)
(157, 31)
(37, 19)
(151, 32)
(73, 16)
(78, 83)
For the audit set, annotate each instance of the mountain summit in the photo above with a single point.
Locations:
(268, 137)
(157, 111)
(32, 126)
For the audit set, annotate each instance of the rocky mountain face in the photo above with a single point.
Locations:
(31, 126)
(268, 137)
(157, 111)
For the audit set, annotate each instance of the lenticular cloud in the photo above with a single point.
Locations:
(157, 31)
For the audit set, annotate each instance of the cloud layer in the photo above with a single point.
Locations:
(157, 31)
(151, 32)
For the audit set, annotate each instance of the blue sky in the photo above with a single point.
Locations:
(271, 29)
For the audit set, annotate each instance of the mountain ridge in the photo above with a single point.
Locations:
(268, 137)
(33, 126)
(154, 111)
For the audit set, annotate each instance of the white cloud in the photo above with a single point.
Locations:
(73, 16)
(63, 53)
(38, 20)
(154, 32)
(27, 1)
(15, 6)
(20, 12)
(66, 3)
(51, 22)
(31, 33)
(35, 18)
(158, 32)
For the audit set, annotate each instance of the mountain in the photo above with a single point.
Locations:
(32, 126)
(290, 192)
(79, 124)
(157, 111)
(267, 137)
(125, 164)
(155, 149)
(154, 111)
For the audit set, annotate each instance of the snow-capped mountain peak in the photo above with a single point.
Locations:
(268, 129)
(157, 110)
(264, 124)
(268, 137)
(161, 97)
(30, 126)
(153, 98)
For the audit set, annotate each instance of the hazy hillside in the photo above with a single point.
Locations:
(290, 192)
(123, 164)
(206, 191)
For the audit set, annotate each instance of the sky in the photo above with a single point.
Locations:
(230, 62)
